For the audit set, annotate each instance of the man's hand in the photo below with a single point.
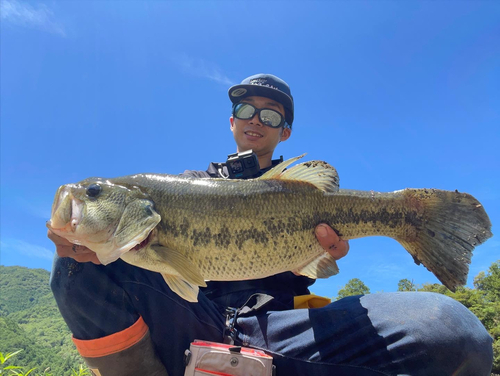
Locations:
(78, 252)
(331, 242)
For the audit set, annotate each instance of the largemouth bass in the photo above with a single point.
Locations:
(192, 230)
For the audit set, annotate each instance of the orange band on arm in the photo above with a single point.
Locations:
(116, 342)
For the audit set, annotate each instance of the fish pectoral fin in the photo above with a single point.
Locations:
(176, 260)
(318, 173)
(323, 266)
(183, 288)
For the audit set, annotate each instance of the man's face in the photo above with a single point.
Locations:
(252, 134)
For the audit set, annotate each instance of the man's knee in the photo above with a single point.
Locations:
(466, 333)
(450, 333)
(429, 331)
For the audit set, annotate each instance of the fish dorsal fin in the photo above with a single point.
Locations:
(322, 266)
(182, 288)
(276, 171)
(185, 269)
(318, 173)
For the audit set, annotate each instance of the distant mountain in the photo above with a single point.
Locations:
(30, 320)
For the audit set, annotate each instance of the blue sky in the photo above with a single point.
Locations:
(393, 94)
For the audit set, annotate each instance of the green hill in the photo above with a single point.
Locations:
(30, 320)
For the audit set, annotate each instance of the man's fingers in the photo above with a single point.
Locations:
(58, 240)
(331, 242)
(340, 250)
(81, 249)
(78, 252)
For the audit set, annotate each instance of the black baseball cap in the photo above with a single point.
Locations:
(265, 85)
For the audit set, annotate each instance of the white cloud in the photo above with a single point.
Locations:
(200, 68)
(23, 14)
(22, 247)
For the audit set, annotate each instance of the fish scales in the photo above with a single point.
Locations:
(192, 230)
(234, 223)
(225, 223)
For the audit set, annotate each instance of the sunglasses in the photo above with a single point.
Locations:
(271, 118)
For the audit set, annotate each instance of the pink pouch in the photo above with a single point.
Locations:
(210, 358)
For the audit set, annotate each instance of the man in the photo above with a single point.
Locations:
(125, 320)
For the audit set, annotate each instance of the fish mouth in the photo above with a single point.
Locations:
(67, 211)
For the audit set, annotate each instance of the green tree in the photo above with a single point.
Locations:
(353, 287)
(489, 283)
(406, 285)
(488, 310)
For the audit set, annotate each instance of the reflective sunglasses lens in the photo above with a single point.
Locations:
(271, 118)
(268, 117)
(244, 111)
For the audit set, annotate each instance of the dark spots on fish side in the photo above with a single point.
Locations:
(201, 238)
(390, 219)
(169, 227)
(223, 238)
(431, 233)
(309, 222)
(184, 227)
(175, 229)
(241, 236)
(276, 226)
(354, 216)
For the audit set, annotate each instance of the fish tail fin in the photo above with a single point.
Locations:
(451, 224)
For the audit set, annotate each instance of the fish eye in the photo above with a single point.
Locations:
(93, 190)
